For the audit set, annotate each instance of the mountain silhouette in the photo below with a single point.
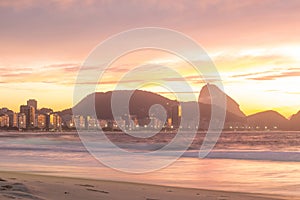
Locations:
(268, 120)
(295, 121)
(210, 91)
(232, 108)
(141, 101)
(139, 104)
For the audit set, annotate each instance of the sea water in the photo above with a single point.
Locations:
(259, 162)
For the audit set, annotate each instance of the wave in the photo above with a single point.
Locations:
(250, 155)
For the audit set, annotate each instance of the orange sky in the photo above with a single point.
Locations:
(255, 46)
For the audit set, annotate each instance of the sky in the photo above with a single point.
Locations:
(254, 44)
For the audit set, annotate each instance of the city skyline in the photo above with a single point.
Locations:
(32, 117)
(66, 108)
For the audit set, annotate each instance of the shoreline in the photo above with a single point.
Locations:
(47, 187)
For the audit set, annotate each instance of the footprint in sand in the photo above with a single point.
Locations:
(101, 191)
(85, 185)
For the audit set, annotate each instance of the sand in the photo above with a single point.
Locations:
(14, 185)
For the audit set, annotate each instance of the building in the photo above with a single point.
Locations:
(58, 122)
(176, 116)
(13, 117)
(55, 122)
(79, 121)
(21, 121)
(52, 122)
(3, 110)
(68, 121)
(23, 109)
(45, 111)
(30, 116)
(91, 122)
(123, 124)
(4, 120)
(29, 111)
(33, 103)
(103, 123)
(41, 121)
(13, 120)
(156, 123)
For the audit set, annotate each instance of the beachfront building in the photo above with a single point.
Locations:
(156, 123)
(21, 121)
(79, 121)
(4, 120)
(122, 124)
(29, 111)
(192, 124)
(176, 116)
(31, 117)
(55, 122)
(68, 120)
(103, 123)
(41, 121)
(91, 122)
(13, 119)
(32, 103)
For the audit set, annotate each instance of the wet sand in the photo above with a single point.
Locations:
(15, 185)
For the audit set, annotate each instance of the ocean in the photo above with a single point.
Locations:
(253, 161)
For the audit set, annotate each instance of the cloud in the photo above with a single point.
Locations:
(45, 74)
(293, 93)
(74, 27)
(277, 76)
(271, 74)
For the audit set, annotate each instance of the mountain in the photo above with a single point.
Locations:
(205, 114)
(139, 104)
(268, 120)
(234, 115)
(141, 101)
(295, 121)
(232, 106)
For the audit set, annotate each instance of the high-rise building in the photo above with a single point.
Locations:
(29, 111)
(41, 121)
(4, 120)
(55, 122)
(58, 122)
(52, 122)
(3, 110)
(23, 109)
(21, 121)
(176, 115)
(31, 114)
(33, 103)
(13, 119)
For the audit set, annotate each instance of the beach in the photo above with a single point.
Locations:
(15, 185)
(57, 166)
